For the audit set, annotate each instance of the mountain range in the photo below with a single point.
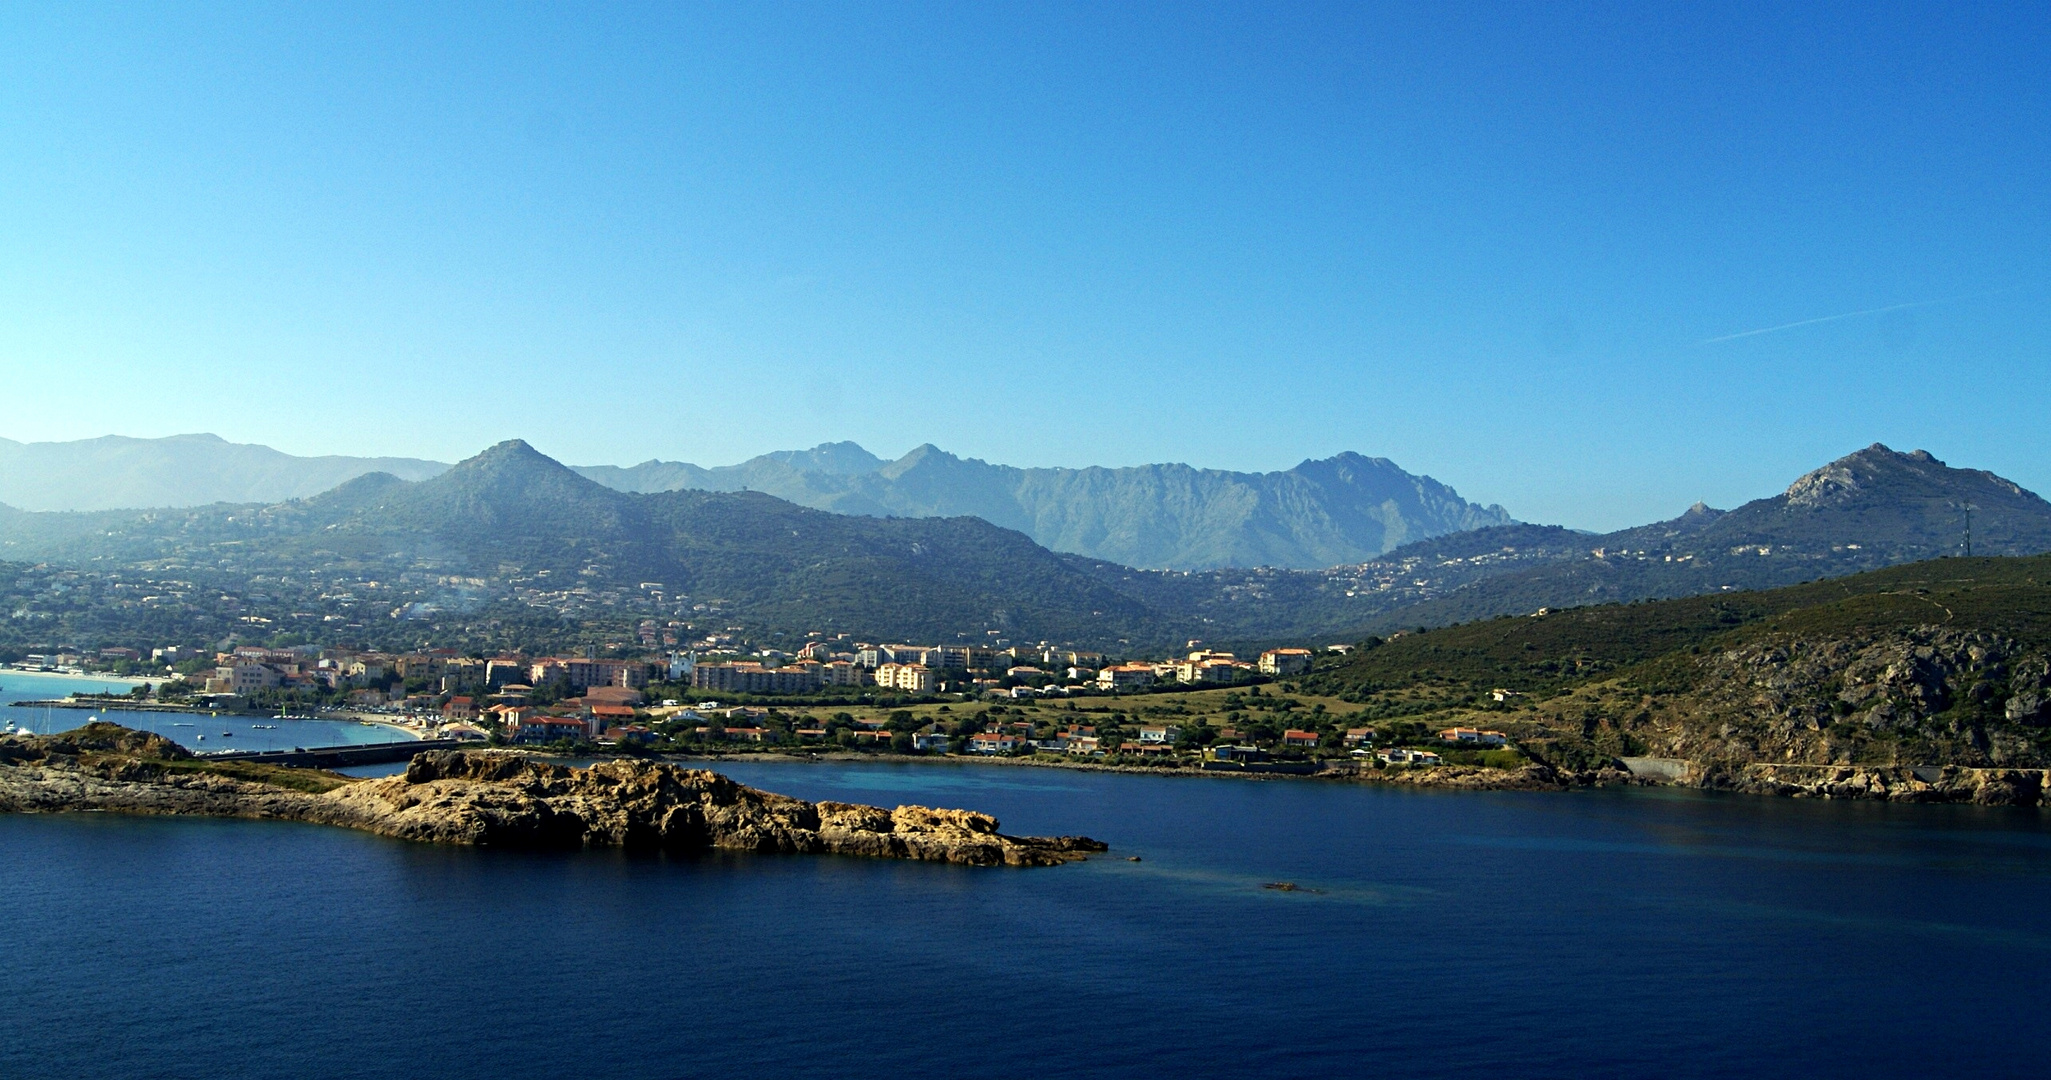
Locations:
(513, 541)
(1873, 508)
(1321, 513)
(513, 538)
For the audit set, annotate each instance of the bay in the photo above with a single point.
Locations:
(223, 732)
(1431, 934)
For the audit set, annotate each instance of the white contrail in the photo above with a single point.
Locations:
(1856, 314)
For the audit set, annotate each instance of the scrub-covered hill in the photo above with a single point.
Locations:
(1940, 662)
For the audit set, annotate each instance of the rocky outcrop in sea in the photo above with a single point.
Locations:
(501, 799)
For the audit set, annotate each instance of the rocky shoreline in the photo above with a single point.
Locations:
(497, 799)
(1919, 784)
(1931, 784)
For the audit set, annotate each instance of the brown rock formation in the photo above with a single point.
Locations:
(508, 800)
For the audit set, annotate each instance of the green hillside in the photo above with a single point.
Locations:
(1944, 661)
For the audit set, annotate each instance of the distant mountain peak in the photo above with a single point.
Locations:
(511, 448)
(833, 458)
(1348, 457)
(1881, 452)
(924, 455)
(512, 466)
(1876, 468)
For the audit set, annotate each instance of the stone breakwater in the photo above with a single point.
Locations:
(506, 800)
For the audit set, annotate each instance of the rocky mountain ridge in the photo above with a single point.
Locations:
(1320, 513)
(1873, 508)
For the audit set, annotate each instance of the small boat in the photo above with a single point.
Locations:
(202, 738)
(183, 725)
(227, 734)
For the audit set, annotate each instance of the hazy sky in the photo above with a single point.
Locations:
(1505, 245)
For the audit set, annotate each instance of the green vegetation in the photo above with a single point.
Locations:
(311, 781)
(1946, 661)
(126, 754)
(1543, 654)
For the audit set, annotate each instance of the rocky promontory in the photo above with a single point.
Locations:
(501, 799)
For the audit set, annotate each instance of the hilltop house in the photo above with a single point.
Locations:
(1472, 735)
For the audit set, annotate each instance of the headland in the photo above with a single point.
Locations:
(501, 800)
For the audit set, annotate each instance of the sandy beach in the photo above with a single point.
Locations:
(77, 676)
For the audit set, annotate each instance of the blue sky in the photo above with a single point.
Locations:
(1493, 243)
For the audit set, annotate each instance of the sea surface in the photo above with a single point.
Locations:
(194, 732)
(1598, 933)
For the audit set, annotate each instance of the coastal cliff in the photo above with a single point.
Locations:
(501, 800)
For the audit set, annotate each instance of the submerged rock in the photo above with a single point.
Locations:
(508, 800)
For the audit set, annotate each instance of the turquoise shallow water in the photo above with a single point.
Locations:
(1628, 933)
(221, 732)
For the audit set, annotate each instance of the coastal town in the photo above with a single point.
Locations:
(1205, 708)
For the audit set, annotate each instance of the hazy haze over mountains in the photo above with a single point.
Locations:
(1342, 509)
(117, 472)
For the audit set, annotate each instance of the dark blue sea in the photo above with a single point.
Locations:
(1601, 933)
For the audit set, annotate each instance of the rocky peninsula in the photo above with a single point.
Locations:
(500, 799)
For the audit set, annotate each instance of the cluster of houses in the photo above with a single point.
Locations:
(546, 699)
(369, 676)
(1015, 672)
(1161, 741)
(428, 678)
(910, 668)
